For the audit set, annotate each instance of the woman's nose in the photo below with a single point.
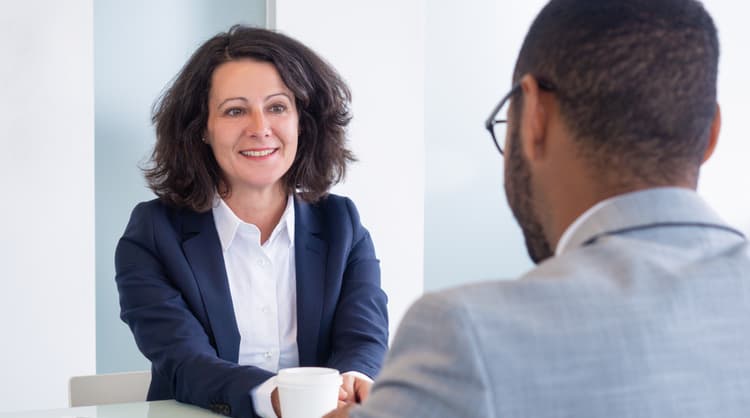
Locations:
(258, 125)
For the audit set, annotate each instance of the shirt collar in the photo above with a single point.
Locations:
(227, 223)
(564, 241)
(643, 207)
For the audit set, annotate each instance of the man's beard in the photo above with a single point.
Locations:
(520, 199)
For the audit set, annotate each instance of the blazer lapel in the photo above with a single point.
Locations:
(202, 249)
(310, 258)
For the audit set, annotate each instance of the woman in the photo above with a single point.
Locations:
(245, 264)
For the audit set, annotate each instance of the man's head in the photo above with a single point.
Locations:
(634, 95)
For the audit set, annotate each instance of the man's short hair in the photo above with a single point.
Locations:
(635, 79)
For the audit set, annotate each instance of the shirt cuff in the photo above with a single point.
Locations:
(360, 375)
(262, 398)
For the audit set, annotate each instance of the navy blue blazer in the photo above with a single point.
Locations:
(175, 297)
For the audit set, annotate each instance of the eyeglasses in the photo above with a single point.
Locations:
(497, 123)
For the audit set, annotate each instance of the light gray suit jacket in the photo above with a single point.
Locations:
(651, 319)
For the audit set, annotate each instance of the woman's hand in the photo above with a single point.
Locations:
(357, 389)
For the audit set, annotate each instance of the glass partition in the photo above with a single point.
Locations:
(139, 46)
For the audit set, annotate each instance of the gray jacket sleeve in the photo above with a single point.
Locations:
(435, 367)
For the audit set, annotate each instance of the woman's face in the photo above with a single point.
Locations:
(252, 124)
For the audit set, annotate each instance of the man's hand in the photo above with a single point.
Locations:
(341, 412)
(357, 389)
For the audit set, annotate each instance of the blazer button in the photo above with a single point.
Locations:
(221, 408)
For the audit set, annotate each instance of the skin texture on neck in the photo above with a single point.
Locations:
(584, 191)
(260, 207)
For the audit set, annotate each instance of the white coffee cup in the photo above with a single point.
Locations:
(308, 392)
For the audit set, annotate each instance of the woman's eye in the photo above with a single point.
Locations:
(234, 111)
(277, 108)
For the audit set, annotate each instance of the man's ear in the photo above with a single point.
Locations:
(533, 120)
(713, 139)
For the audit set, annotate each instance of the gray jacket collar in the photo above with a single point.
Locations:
(668, 205)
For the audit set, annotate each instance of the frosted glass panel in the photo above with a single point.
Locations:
(139, 46)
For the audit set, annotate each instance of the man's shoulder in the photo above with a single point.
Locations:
(585, 283)
(554, 275)
(482, 300)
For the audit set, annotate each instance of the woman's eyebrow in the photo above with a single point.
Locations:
(279, 94)
(246, 100)
(231, 98)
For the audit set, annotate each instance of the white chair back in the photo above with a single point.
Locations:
(100, 389)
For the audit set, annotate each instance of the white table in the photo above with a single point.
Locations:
(157, 409)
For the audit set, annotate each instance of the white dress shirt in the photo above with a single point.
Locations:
(263, 284)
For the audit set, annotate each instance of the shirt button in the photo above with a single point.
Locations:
(266, 309)
(262, 262)
(267, 354)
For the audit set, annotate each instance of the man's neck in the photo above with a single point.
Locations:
(572, 203)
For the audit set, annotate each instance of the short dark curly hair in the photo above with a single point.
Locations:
(183, 171)
(636, 81)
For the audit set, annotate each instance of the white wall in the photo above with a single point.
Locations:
(725, 178)
(378, 47)
(47, 214)
(471, 49)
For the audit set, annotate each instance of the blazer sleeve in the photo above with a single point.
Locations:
(360, 326)
(184, 359)
(435, 367)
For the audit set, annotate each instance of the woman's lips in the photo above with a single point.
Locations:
(258, 153)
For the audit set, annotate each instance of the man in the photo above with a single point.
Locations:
(640, 303)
